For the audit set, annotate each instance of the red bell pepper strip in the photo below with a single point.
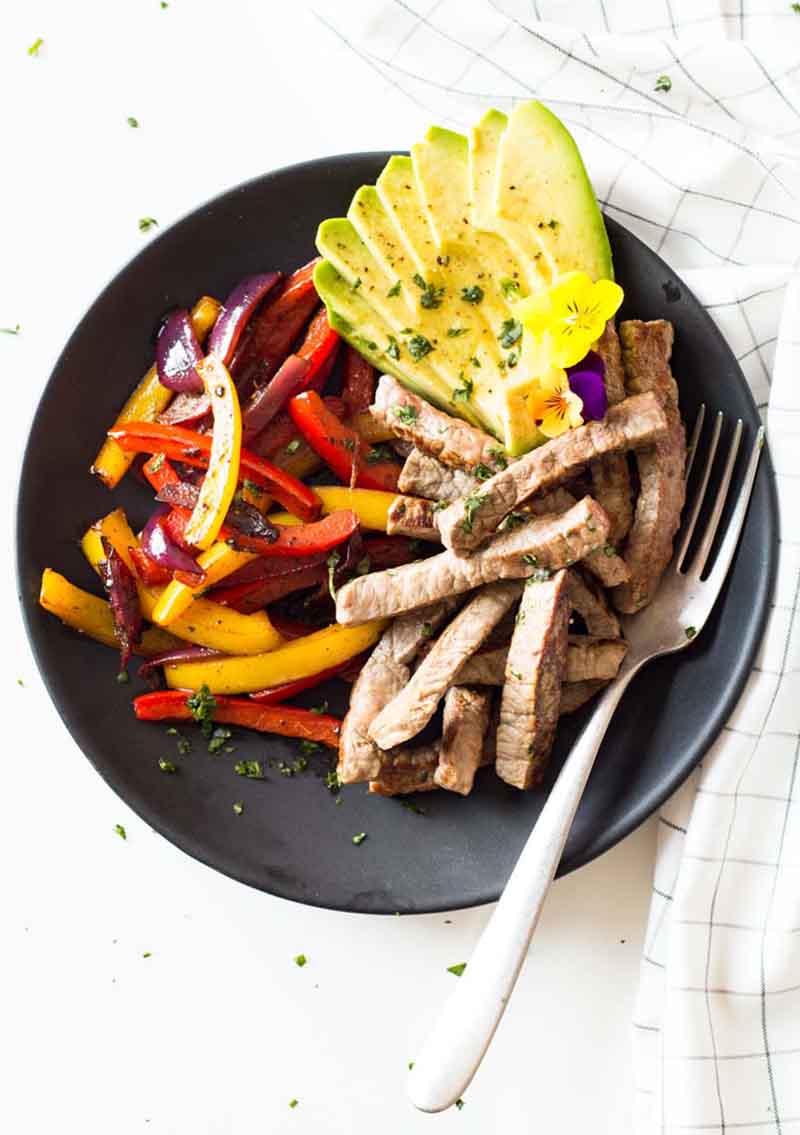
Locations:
(287, 721)
(274, 439)
(159, 472)
(358, 390)
(320, 347)
(293, 540)
(339, 446)
(259, 593)
(194, 449)
(277, 694)
(148, 571)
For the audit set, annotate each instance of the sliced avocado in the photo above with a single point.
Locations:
(541, 183)
(338, 240)
(397, 189)
(377, 230)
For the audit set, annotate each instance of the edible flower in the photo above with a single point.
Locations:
(556, 407)
(571, 314)
(586, 379)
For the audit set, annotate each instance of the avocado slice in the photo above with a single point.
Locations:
(541, 183)
(377, 230)
(397, 189)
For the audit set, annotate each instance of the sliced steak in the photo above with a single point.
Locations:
(451, 440)
(576, 694)
(646, 349)
(411, 770)
(532, 690)
(466, 719)
(588, 658)
(382, 676)
(424, 476)
(609, 349)
(413, 707)
(413, 516)
(544, 543)
(611, 482)
(590, 603)
(609, 568)
(633, 423)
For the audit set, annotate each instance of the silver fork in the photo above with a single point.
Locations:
(678, 613)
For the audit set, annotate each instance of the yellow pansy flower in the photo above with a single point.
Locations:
(571, 315)
(555, 406)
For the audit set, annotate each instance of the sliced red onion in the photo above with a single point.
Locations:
(236, 311)
(124, 599)
(179, 654)
(591, 389)
(245, 518)
(178, 353)
(269, 400)
(264, 568)
(185, 408)
(159, 547)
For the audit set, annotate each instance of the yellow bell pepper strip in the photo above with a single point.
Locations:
(204, 622)
(299, 659)
(219, 561)
(371, 506)
(91, 616)
(147, 402)
(219, 483)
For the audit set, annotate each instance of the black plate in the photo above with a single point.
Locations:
(293, 840)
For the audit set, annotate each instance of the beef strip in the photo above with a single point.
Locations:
(590, 603)
(633, 423)
(466, 719)
(588, 658)
(382, 676)
(451, 440)
(411, 771)
(531, 695)
(609, 568)
(424, 476)
(413, 707)
(576, 694)
(544, 543)
(609, 350)
(646, 349)
(611, 482)
(412, 516)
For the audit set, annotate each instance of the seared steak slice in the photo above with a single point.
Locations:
(466, 719)
(382, 676)
(588, 658)
(609, 568)
(646, 349)
(548, 542)
(590, 603)
(452, 440)
(424, 476)
(611, 482)
(576, 694)
(412, 516)
(633, 423)
(609, 350)
(532, 691)
(411, 770)
(486, 668)
(413, 707)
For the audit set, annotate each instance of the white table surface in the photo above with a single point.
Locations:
(218, 1030)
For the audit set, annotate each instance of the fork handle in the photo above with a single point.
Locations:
(456, 1046)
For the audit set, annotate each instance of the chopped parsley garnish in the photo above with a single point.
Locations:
(540, 575)
(147, 954)
(332, 782)
(454, 332)
(459, 1103)
(202, 704)
(482, 472)
(426, 630)
(473, 294)
(796, 8)
(156, 462)
(471, 505)
(378, 453)
(410, 806)
(407, 414)
(553, 224)
(463, 393)
(120, 830)
(510, 332)
(293, 445)
(664, 83)
(431, 297)
(300, 960)
(440, 505)
(134, 122)
(293, 1103)
(320, 709)
(356, 284)
(250, 769)
(238, 807)
(457, 969)
(123, 677)
(498, 456)
(512, 359)
(164, 5)
(509, 287)
(359, 839)
(147, 223)
(410, 1065)
(167, 766)
(529, 558)
(394, 290)
(34, 47)
(393, 350)
(332, 562)
(309, 746)
(11, 330)
(419, 347)
(476, 362)
(363, 566)
(609, 550)
(690, 632)
(218, 739)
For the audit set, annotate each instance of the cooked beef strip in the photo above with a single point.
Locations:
(588, 657)
(466, 719)
(412, 516)
(609, 350)
(413, 707)
(611, 482)
(633, 423)
(548, 542)
(383, 675)
(590, 603)
(412, 771)
(609, 568)
(424, 476)
(451, 440)
(576, 694)
(646, 349)
(531, 695)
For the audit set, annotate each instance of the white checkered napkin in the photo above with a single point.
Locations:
(708, 174)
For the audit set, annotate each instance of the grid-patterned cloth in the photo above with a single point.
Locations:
(708, 174)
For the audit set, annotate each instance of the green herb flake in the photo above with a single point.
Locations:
(238, 807)
(393, 350)
(147, 223)
(184, 746)
(250, 769)
(410, 1065)
(202, 705)
(394, 290)
(457, 969)
(359, 839)
(320, 709)
(482, 472)
(499, 457)
(356, 284)
(431, 297)
(540, 575)
(454, 332)
(363, 566)
(510, 333)
(553, 224)
(123, 677)
(509, 287)
(332, 782)
(473, 294)
(463, 393)
(690, 632)
(293, 1103)
(157, 462)
(459, 1103)
(609, 550)
(300, 960)
(120, 830)
(471, 505)
(410, 806)
(664, 83)
(426, 630)
(530, 558)
(15, 330)
(33, 50)
(419, 347)
(132, 122)
(218, 739)
(167, 765)
(440, 506)
(20, 683)
(147, 954)
(512, 358)
(378, 453)
(406, 414)
(164, 5)
(310, 746)
(293, 445)
(332, 562)
(476, 362)
(796, 8)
